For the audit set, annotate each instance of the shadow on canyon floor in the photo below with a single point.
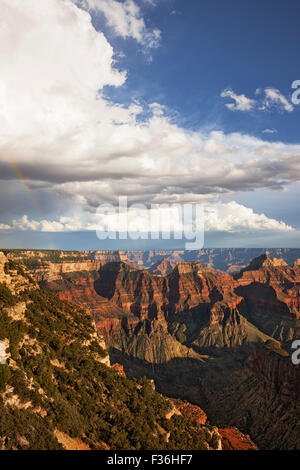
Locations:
(181, 377)
(229, 394)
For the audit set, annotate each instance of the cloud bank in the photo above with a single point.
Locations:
(218, 217)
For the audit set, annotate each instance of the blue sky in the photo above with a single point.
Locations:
(209, 46)
(162, 101)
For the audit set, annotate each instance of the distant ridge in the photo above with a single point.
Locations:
(230, 260)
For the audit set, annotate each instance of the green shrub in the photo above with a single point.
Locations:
(5, 375)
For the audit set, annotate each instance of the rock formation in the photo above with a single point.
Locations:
(194, 306)
(273, 364)
(58, 390)
(271, 290)
(3, 261)
(159, 262)
(260, 399)
(233, 439)
(202, 334)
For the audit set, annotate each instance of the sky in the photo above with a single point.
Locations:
(164, 102)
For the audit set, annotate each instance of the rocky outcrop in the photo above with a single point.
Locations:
(53, 271)
(106, 256)
(70, 443)
(193, 412)
(163, 267)
(265, 261)
(261, 398)
(271, 271)
(273, 364)
(119, 368)
(17, 312)
(233, 439)
(3, 260)
(271, 290)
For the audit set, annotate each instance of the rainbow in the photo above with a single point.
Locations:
(21, 178)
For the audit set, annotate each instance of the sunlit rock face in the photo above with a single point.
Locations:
(271, 291)
(274, 365)
(3, 260)
(2, 352)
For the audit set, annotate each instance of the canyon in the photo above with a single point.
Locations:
(58, 389)
(219, 339)
(161, 262)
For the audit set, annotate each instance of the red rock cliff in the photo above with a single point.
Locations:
(274, 365)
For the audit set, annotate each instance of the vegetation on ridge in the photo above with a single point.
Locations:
(54, 380)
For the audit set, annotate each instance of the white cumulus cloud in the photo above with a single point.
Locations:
(241, 102)
(269, 131)
(269, 98)
(125, 18)
(274, 97)
(218, 217)
(234, 217)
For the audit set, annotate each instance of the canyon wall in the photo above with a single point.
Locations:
(200, 333)
(271, 291)
(161, 262)
(273, 364)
